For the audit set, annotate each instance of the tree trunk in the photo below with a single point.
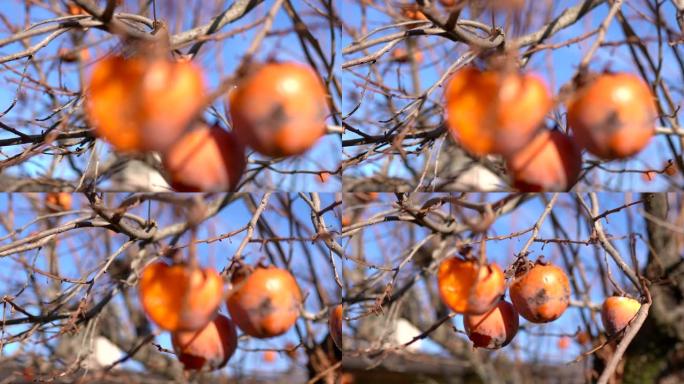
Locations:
(657, 352)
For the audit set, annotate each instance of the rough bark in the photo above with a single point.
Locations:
(657, 353)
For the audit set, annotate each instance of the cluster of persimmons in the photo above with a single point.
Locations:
(147, 101)
(502, 112)
(539, 292)
(263, 302)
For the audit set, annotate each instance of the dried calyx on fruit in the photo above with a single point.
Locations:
(264, 301)
(540, 292)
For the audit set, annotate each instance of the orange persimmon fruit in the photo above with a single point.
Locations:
(335, 324)
(270, 356)
(75, 10)
(617, 312)
(209, 348)
(541, 293)
(493, 329)
(670, 168)
(266, 302)
(613, 116)
(324, 176)
(279, 109)
(412, 11)
(400, 55)
(550, 162)
(141, 104)
(466, 287)
(58, 201)
(178, 297)
(206, 159)
(583, 338)
(490, 112)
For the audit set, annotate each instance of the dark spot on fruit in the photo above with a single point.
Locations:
(539, 298)
(480, 340)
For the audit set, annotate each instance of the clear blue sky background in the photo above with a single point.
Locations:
(557, 67)
(218, 59)
(76, 255)
(386, 246)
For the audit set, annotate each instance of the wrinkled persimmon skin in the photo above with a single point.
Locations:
(494, 329)
(206, 159)
(617, 312)
(550, 162)
(614, 116)
(209, 348)
(279, 109)
(137, 104)
(493, 113)
(463, 291)
(177, 298)
(335, 325)
(541, 294)
(266, 303)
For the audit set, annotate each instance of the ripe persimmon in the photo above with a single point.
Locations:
(206, 159)
(291, 350)
(648, 176)
(209, 348)
(613, 116)
(266, 302)
(178, 297)
(140, 104)
(550, 162)
(75, 10)
(335, 324)
(563, 342)
(270, 356)
(466, 287)
(541, 293)
(670, 168)
(494, 329)
(400, 55)
(583, 338)
(58, 201)
(279, 109)
(617, 312)
(510, 5)
(412, 11)
(492, 112)
(324, 177)
(70, 56)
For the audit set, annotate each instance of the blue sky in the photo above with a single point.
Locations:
(556, 67)
(80, 250)
(386, 244)
(219, 60)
